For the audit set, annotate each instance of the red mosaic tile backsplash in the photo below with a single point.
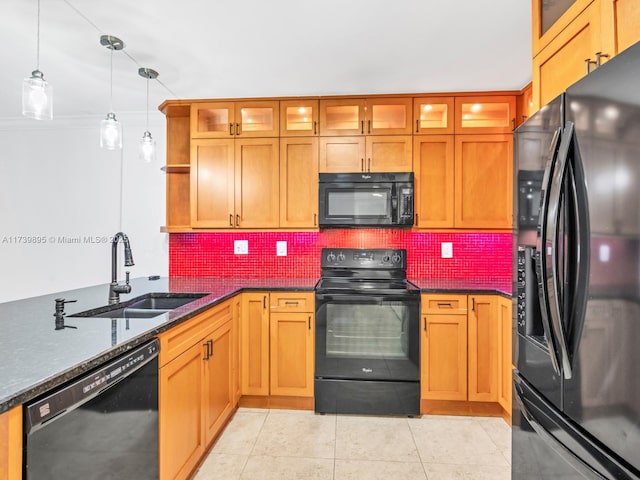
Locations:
(477, 256)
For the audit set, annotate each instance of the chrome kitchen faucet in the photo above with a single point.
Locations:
(114, 288)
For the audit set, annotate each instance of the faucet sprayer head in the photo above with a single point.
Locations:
(128, 256)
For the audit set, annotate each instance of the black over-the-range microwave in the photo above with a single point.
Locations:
(366, 199)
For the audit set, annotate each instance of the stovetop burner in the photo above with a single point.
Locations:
(364, 270)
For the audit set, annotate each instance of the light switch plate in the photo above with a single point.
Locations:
(241, 247)
(446, 249)
(281, 248)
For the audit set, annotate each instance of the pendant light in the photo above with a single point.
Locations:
(110, 128)
(37, 94)
(147, 143)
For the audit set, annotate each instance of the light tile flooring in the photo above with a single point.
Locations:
(299, 445)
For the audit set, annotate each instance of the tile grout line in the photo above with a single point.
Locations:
(413, 437)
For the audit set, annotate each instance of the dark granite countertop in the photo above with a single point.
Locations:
(34, 357)
(434, 285)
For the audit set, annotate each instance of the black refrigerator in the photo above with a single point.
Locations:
(576, 385)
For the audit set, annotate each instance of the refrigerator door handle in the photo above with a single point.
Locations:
(541, 257)
(552, 279)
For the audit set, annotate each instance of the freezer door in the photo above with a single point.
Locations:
(547, 445)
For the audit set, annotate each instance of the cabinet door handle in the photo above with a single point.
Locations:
(417, 126)
(210, 342)
(237, 129)
(587, 65)
(513, 124)
(309, 320)
(231, 129)
(362, 126)
(424, 323)
(369, 165)
(417, 223)
(368, 126)
(315, 127)
(315, 219)
(264, 302)
(206, 351)
(362, 164)
(473, 304)
(237, 220)
(231, 219)
(599, 56)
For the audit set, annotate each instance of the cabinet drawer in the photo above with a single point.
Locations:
(180, 338)
(444, 304)
(292, 301)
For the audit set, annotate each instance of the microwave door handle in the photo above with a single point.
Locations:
(541, 257)
(554, 289)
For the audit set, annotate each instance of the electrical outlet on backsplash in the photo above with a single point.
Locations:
(478, 256)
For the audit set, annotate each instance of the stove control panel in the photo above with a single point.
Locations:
(364, 258)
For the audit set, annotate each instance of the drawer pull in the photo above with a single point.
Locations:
(445, 304)
(291, 302)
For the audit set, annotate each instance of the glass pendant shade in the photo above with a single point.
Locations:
(37, 97)
(147, 148)
(110, 132)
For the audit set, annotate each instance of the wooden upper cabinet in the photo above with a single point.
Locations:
(365, 116)
(433, 165)
(564, 60)
(342, 117)
(485, 114)
(551, 18)
(524, 104)
(432, 115)
(342, 154)
(299, 118)
(627, 20)
(242, 119)
(483, 181)
(299, 182)
(212, 183)
(389, 153)
(235, 183)
(257, 183)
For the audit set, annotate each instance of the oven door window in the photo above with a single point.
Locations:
(375, 339)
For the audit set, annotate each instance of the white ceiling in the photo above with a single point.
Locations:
(252, 48)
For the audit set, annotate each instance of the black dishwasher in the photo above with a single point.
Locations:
(103, 425)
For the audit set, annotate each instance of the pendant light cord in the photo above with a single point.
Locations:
(147, 102)
(38, 40)
(111, 81)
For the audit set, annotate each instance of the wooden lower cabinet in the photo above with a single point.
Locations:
(254, 344)
(11, 444)
(505, 333)
(444, 357)
(464, 352)
(292, 354)
(277, 344)
(483, 348)
(196, 397)
(235, 329)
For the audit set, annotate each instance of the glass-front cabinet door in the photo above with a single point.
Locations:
(487, 114)
(342, 117)
(212, 120)
(365, 116)
(388, 116)
(299, 118)
(433, 115)
(235, 119)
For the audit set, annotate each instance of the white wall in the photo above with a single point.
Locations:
(56, 183)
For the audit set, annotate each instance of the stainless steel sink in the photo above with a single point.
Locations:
(145, 306)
